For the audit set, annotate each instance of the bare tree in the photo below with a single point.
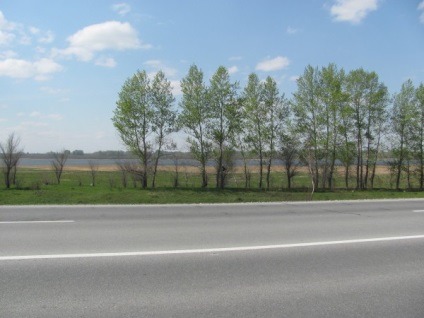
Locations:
(58, 162)
(10, 155)
(94, 167)
(289, 153)
(135, 170)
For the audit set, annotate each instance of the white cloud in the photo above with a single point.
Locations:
(40, 69)
(39, 115)
(6, 37)
(30, 124)
(274, 64)
(176, 88)
(47, 38)
(121, 8)
(353, 11)
(53, 91)
(6, 28)
(106, 62)
(34, 30)
(15, 32)
(233, 69)
(294, 78)
(8, 54)
(291, 31)
(421, 8)
(158, 65)
(111, 35)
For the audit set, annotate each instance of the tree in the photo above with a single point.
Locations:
(77, 152)
(224, 122)
(10, 155)
(356, 87)
(58, 163)
(94, 168)
(133, 118)
(333, 98)
(419, 134)
(164, 115)
(275, 112)
(289, 154)
(369, 100)
(308, 113)
(347, 150)
(378, 127)
(402, 119)
(195, 113)
(243, 148)
(254, 114)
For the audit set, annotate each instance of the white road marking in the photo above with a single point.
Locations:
(31, 222)
(418, 211)
(207, 250)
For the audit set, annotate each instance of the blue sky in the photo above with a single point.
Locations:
(62, 63)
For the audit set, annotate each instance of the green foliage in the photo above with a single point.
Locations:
(194, 116)
(332, 118)
(144, 117)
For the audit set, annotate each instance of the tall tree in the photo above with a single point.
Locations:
(419, 134)
(347, 151)
(275, 108)
(195, 113)
(308, 113)
(369, 101)
(10, 155)
(356, 88)
(224, 122)
(333, 98)
(133, 118)
(163, 122)
(378, 125)
(255, 114)
(402, 119)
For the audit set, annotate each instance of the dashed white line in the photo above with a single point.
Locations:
(207, 250)
(418, 211)
(35, 222)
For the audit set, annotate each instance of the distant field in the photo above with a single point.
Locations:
(39, 186)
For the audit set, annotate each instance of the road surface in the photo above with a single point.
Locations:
(326, 259)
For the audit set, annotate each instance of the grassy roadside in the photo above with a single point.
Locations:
(39, 187)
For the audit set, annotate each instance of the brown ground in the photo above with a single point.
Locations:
(380, 170)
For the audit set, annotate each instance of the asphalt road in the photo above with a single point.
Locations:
(339, 259)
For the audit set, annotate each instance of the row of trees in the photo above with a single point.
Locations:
(334, 118)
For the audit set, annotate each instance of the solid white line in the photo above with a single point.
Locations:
(207, 250)
(418, 211)
(31, 222)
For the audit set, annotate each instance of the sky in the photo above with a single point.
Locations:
(63, 63)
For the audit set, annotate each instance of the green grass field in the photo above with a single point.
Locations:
(40, 187)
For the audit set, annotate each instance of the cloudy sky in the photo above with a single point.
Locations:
(62, 63)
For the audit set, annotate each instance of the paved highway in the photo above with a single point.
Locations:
(337, 259)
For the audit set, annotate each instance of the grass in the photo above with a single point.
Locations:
(40, 187)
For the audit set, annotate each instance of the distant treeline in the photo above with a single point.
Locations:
(108, 154)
